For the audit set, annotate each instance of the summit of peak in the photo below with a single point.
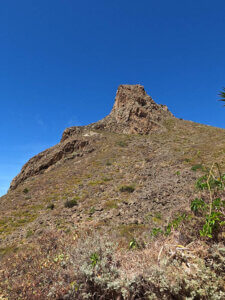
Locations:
(134, 111)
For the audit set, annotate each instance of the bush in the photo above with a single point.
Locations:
(51, 206)
(70, 203)
(25, 191)
(127, 188)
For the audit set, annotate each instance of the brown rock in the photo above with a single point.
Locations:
(134, 112)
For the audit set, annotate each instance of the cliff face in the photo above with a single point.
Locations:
(134, 112)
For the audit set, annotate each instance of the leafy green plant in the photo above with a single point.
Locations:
(156, 231)
(197, 205)
(70, 203)
(213, 182)
(94, 258)
(212, 222)
(168, 229)
(201, 183)
(174, 224)
(127, 188)
(133, 244)
(213, 212)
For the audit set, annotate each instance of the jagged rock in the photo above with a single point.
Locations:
(134, 112)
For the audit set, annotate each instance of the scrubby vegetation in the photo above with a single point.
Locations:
(127, 188)
(92, 266)
(70, 203)
(150, 266)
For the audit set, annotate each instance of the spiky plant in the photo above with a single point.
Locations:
(222, 95)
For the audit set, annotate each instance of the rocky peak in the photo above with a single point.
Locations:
(134, 112)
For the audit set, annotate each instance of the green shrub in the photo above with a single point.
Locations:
(201, 183)
(197, 205)
(51, 206)
(127, 188)
(212, 210)
(25, 191)
(70, 203)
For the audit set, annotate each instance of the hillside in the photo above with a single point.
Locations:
(123, 180)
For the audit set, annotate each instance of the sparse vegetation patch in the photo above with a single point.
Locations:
(127, 189)
(70, 203)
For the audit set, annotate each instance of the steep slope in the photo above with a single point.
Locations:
(124, 175)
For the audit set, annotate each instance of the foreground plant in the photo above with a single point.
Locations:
(213, 212)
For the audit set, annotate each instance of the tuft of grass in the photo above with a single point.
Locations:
(97, 182)
(111, 204)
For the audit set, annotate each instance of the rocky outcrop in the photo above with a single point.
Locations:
(75, 146)
(134, 112)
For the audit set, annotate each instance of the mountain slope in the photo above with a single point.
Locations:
(124, 175)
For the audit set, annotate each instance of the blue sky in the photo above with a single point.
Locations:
(62, 61)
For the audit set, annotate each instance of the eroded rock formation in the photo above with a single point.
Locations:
(134, 112)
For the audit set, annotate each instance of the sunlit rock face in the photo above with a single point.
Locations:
(134, 112)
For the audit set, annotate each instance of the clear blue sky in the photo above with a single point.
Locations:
(62, 60)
